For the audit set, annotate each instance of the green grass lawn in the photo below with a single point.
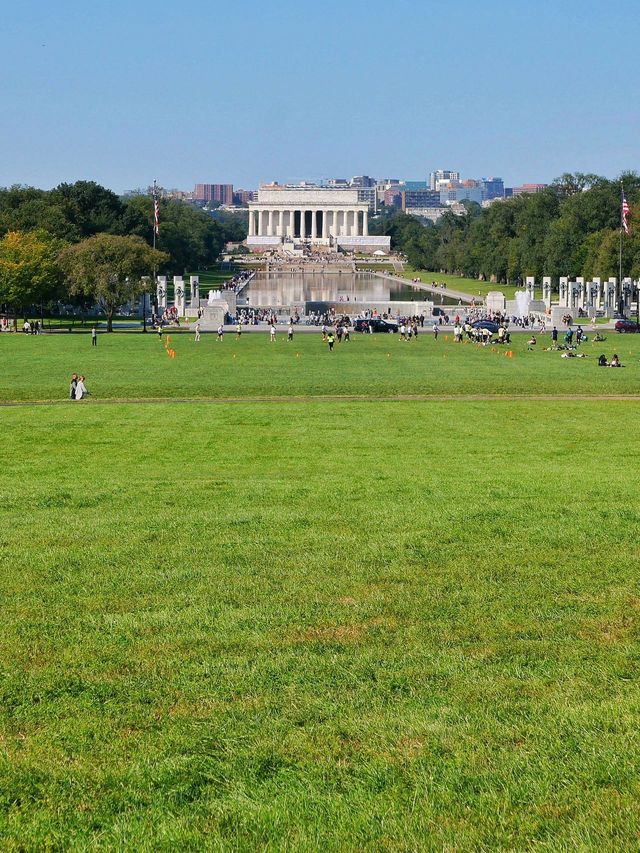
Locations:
(457, 282)
(137, 366)
(317, 625)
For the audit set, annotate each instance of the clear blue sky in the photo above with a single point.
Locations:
(208, 91)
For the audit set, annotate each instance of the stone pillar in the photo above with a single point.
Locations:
(314, 228)
(291, 223)
(178, 294)
(596, 293)
(564, 291)
(269, 223)
(194, 285)
(546, 290)
(365, 224)
(161, 292)
(251, 224)
(325, 224)
(530, 286)
(611, 296)
(356, 224)
(626, 294)
(579, 292)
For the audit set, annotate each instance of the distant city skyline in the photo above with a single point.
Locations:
(127, 92)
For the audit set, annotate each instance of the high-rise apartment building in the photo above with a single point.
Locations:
(492, 188)
(214, 192)
(442, 176)
(420, 199)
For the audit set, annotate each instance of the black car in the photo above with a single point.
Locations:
(486, 324)
(626, 326)
(377, 324)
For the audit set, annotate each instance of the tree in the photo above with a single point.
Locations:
(92, 209)
(29, 268)
(110, 269)
(189, 235)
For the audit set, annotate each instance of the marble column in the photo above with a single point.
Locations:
(325, 224)
(269, 223)
(564, 291)
(546, 290)
(194, 286)
(597, 295)
(178, 294)
(530, 286)
(292, 221)
(314, 232)
(161, 292)
(365, 224)
(251, 224)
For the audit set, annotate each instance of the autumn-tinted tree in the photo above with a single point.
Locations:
(29, 269)
(109, 269)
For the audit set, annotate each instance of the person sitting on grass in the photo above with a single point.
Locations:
(602, 361)
(615, 361)
(531, 342)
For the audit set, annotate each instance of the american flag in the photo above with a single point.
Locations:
(625, 213)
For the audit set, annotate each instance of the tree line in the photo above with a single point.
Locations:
(82, 240)
(572, 228)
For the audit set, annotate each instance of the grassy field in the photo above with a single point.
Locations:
(136, 366)
(317, 625)
(457, 282)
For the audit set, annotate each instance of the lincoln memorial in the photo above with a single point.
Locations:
(334, 218)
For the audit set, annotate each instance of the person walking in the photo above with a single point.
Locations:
(238, 331)
(330, 341)
(94, 337)
(435, 332)
(272, 333)
(290, 332)
(81, 390)
(220, 333)
(554, 335)
(197, 337)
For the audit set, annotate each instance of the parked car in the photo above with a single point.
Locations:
(486, 324)
(626, 326)
(377, 325)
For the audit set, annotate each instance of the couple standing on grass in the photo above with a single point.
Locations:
(77, 388)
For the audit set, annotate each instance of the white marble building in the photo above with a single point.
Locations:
(311, 216)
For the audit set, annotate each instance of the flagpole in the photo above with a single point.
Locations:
(621, 230)
(153, 211)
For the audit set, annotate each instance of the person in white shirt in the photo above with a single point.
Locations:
(272, 332)
(81, 390)
(290, 332)
(198, 331)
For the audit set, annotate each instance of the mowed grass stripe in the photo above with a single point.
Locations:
(346, 398)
